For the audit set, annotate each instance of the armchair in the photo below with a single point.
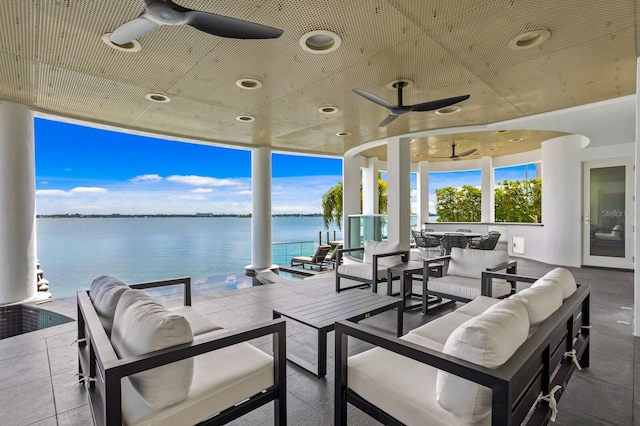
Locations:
(377, 257)
(486, 242)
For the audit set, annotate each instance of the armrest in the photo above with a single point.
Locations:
(403, 253)
(185, 281)
(427, 262)
(345, 250)
(465, 369)
(488, 276)
(511, 267)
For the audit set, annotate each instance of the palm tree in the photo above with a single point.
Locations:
(332, 202)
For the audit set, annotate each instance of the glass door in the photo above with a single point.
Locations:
(607, 214)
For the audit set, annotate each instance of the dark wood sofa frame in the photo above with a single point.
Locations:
(536, 367)
(510, 267)
(373, 282)
(99, 364)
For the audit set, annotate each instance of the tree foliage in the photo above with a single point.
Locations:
(519, 201)
(332, 202)
(458, 204)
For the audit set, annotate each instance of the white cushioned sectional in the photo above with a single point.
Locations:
(464, 274)
(486, 331)
(184, 392)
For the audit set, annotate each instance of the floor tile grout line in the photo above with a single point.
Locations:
(53, 393)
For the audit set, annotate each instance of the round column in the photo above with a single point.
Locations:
(261, 256)
(17, 204)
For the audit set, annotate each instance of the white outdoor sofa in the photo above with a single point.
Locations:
(462, 277)
(144, 364)
(491, 362)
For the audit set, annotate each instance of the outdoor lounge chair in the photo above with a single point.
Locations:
(318, 258)
(331, 258)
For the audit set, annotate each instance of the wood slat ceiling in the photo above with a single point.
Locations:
(54, 61)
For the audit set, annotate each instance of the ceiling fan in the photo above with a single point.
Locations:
(166, 12)
(455, 156)
(397, 110)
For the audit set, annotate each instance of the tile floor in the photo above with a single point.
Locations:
(38, 382)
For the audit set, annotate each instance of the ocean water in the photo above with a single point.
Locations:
(74, 251)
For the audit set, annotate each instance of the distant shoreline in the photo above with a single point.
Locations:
(198, 215)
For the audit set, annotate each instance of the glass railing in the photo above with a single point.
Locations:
(283, 252)
(371, 227)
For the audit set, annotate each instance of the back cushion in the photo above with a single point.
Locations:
(488, 340)
(542, 299)
(377, 247)
(142, 325)
(470, 263)
(105, 293)
(564, 279)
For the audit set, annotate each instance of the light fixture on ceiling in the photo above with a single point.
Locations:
(453, 109)
(343, 134)
(406, 83)
(529, 39)
(158, 97)
(516, 140)
(320, 41)
(502, 132)
(417, 155)
(328, 109)
(412, 140)
(249, 83)
(132, 46)
(492, 149)
(245, 118)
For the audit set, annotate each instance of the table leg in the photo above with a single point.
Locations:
(389, 281)
(322, 353)
(400, 318)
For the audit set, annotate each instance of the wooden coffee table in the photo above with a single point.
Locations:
(322, 314)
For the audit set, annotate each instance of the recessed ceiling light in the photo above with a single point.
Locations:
(132, 46)
(245, 118)
(328, 109)
(417, 155)
(501, 132)
(492, 149)
(343, 134)
(249, 83)
(529, 39)
(158, 97)
(449, 110)
(320, 41)
(412, 140)
(516, 139)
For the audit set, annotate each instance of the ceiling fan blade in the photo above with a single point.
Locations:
(464, 154)
(440, 103)
(374, 99)
(387, 120)
(225, 26)
(132, 30)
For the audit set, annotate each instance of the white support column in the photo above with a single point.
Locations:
(17, 204)
(350, 198)
(423, 193)
(561, 200)
(488, 209)
(399, 192)
(370, 187)
(636, 216)
(261, 256)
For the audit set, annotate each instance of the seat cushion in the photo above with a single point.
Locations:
(542, 299)
(362, 270)
(221, 379)
(198, 322)
(142, 325)
(477, 306)
(467, 288)
(105, 293)
(377, 247)
(564, 279)
(441, 328)
(470, 263)
(389, 381)
(488, 340)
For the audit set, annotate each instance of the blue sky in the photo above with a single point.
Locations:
(91, 171)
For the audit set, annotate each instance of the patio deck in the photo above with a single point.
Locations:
(38, 381)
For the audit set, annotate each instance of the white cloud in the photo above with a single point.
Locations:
(52, 192)
(202, 180)
(202, 190)
(44, 182)
(246, 192)
(88, 190)
(147, 178)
